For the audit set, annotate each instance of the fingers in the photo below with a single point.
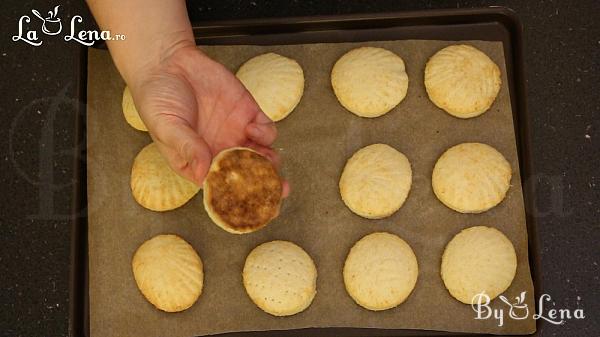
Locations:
(273, 156)
(285, 189)
(260, 129)
(262, 133)
(267, 152)
(261, 117)
(175, 161)
(187, 153)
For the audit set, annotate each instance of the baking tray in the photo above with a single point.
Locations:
(488, 24)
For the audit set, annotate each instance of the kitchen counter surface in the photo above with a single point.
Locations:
(37, 114)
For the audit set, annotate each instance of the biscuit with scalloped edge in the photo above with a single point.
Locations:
(168, 272)
(369, 81)
(471, 177)
(462, 80)
(276, 83)
(130, 112)
(376, 181)
(478, 259)
(155, 185)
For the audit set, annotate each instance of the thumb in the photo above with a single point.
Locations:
(185, 150)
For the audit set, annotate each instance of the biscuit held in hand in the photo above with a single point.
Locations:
(242, 191)
(195, 108)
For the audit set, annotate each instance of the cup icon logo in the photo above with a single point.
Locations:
(52, 24)
(519, 309)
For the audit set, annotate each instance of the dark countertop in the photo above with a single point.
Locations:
(562, 53)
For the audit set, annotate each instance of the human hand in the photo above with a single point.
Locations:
(194, 108)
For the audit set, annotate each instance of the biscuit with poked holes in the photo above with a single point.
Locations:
(471, 177)
(168, 272)
(130, 111)
(478, 259)
(369, 81)
(280, 278)
(155, 185)
(381, 271)
(242, 191)
(376, 181)
(462, 80)
(276, 83)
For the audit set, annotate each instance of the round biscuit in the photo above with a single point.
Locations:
(380, 271)
(376, 181)
(242, 191)
(168, 272)
(471, 177)
(462, 80)
(280, 278)
(155, 185)
(478, 259)
(369, 81)
(276, 83)
(130, 112)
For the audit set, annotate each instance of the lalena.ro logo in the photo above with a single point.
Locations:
(518, 309)
(52, 25)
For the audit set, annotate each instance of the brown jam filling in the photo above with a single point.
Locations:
(245, 190)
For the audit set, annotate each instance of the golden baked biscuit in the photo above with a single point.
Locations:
(471, 177)
(369, 81)
(478, 259)
(130, 112)
(280, 278)
(462, 80)
(381, 271)
(276, 83)
(242, 191)
(155, 185)
(376, 181)
(168, 272)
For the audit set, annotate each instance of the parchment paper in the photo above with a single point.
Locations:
(314, 142)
